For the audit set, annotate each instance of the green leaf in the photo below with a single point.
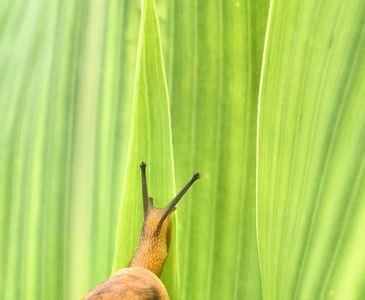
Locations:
(150, 141)
(214, 65)
(311, 151)
(64, 121)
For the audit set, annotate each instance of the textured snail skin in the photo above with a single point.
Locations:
(152, 249)
(140, 280)
(130, 284)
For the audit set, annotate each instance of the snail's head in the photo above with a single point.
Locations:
(157, 223)
(154, 240)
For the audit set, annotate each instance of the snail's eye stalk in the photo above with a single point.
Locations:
(172, 205)
(147, 201)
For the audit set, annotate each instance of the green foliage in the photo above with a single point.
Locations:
(64, 126)
(268, 106)
(214, 80)
(311, 153)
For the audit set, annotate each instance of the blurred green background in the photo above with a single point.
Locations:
(266, 100)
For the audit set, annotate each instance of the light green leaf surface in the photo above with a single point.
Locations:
(215, 56)
(311, 151)
(64, 126)
(150, 141)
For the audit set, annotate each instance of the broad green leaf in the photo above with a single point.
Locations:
(64, 123)
(150, 141)
(214, 53)
(311, 151)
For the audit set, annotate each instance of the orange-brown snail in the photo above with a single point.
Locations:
(140, 280)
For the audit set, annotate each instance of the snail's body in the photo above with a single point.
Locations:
(141, 279)
(153, 248)
(130, 283)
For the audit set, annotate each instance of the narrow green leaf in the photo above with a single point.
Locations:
(150, 141)
(311, 155)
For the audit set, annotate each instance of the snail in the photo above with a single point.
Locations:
(140, 280)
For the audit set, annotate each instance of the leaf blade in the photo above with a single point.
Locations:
(150, 141)
(215, 57)
(310, 134)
